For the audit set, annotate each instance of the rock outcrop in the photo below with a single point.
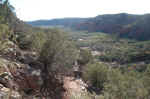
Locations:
(18, 79)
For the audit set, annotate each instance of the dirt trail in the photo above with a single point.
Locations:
(73, 86)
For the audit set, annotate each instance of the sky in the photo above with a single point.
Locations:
(29, 10)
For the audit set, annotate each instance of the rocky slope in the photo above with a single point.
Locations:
(18, 79)
(21, 77)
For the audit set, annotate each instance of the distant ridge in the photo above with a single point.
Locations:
(66, 22)
(123, 24)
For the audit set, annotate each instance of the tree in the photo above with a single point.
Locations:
(57, 54)
(6, 17)
(6, 10)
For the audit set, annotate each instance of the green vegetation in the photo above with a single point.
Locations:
(123, 24)
(57, 55)
(96, 74)
(115, 84)
(5, 18)
(120, 70)
(85, 56)
(57, 50)
(53, 48)
(112, 48)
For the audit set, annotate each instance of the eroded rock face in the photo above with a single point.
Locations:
(18, 78)
(27, 79)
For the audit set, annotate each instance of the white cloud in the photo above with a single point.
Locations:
(48, 9)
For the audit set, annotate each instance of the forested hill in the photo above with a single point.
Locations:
(123, 24)
(65, 22)
(126, 25)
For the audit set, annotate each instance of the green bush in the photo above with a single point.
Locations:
(96, 74)
(4, 32)
(85, 56)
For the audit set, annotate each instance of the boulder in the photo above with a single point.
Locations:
(6, 93)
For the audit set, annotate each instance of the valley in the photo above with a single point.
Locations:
(102, 57)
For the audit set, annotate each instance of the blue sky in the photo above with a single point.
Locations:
(29, 10)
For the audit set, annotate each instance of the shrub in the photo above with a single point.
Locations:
(4, 32)
(96, 74)
(85, 56)
(124, 86)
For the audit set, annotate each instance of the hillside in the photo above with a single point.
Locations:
(123, 24)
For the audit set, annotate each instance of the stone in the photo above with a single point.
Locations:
(4, 93)
(15, 95)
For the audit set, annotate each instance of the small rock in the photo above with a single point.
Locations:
(15, 95)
